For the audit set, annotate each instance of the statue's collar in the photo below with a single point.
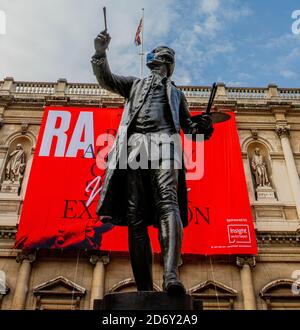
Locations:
(158, 78)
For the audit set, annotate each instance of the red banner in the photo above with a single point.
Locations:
(64, 177)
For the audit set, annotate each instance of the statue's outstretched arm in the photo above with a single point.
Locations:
(107, 80)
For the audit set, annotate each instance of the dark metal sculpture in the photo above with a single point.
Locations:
(216, 117)
(138, 198)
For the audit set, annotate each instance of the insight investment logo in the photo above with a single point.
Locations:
(2, 22)
(296, 24)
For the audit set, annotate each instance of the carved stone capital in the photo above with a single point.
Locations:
(104, 259)
(31, 257)
(245, 260)
(283, 130)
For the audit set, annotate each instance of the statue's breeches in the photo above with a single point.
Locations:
(162, 185)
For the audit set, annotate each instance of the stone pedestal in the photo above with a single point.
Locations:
(265, 194)
(144, 300)
(10, 187)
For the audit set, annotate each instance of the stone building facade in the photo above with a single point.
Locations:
(268, 119)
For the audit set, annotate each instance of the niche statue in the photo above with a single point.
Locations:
(259, 169)
(16, 165)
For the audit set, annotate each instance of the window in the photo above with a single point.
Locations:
(58, 294)
(279, 295)
(213, 295)
(128, 285)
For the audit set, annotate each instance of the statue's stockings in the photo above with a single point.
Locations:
(162, 185)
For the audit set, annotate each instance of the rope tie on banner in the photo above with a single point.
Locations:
(214, 280)
(75, 277)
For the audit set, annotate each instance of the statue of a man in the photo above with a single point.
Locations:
(259, 169)
(139, 197)
(16, 165)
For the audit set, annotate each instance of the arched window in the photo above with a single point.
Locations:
(281, 294)
(128, 285)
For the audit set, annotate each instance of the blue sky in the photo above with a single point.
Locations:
(238, 42)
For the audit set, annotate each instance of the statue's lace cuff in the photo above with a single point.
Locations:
(97, 61)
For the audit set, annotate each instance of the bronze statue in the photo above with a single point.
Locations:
(138, 198)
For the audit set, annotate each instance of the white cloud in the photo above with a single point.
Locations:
(209, 6)
(50, 39)
(215, 15)
(286, 48)
(288, 74)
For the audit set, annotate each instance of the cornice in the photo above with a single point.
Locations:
(286, 239)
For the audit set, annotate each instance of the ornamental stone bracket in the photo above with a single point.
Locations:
(254, 134)
(24, 128)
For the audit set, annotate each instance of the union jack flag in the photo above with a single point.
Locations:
(137, 39)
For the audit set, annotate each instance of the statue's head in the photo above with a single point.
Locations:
(19, 146)
(257, 151)
(162, 56)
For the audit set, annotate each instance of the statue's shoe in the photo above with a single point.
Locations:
(173, 287)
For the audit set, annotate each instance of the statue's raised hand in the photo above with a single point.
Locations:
(101, 42)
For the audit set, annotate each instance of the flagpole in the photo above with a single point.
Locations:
(142, 47)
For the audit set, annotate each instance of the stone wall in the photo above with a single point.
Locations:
(268, 118)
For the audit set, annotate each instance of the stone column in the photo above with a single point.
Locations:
(98, 280)
(22, 284)
(283, 131)
(249, 297)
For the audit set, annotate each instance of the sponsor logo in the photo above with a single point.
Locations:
(239, 234)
